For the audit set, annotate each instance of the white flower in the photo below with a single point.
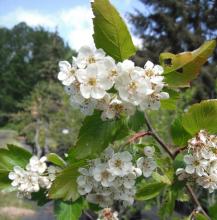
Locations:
(17, 175)
(147, 165)
(93, 82)
(107, 214)
(153, 72)
(208, 182)
(120, 164)
(182, 175)
(133, 87)
(103, 201)
(195, 165)
(37, 165)
(110, 67)
(152, 100)
(101, 174)
(149, 151)
(67, 73)
(114, 107)
(88, 56)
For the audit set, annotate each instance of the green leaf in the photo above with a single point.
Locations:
(200, 216)
(179, 135)
(212, 212)
(55, 159)
(110, 31)
(95, 135)
(5, 182)
(161, 178)
(68, 210)
(40, 197)
(180, 69)
(13, 156)
(170, 104)
(136, 121)
(65, 185)
(201, 116)
(168, 205)
(148, 191)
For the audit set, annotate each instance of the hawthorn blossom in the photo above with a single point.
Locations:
(36, 176)
(120, 164)
(147, 165)
(101, 174)
(195, 165)
(37, 165)
(93, 81)
(107, 214)
(201, 161)
(67, 73)
(87, 56)
(149, 151)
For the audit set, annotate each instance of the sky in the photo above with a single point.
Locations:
(72, 18)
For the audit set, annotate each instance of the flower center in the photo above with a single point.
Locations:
(133, 85)
(72, 72)
(114, 72)
(92, 81)
(149, 73)
(105, 174)
(118, 163)
(91, 59)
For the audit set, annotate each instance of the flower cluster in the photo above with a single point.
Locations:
(201, 161)
(36, 175)
(95, 81)
(107, 214)
(112, 177)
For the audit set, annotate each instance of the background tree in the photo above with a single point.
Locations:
(28, 56)
(177, 26)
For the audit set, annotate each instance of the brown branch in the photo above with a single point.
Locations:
(196, 201)
(157, 138)
(137, 136)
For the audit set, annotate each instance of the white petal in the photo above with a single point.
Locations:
(158, 69)
(64, 66)
(81, 75)
(149, 65)
(85, 51)
(189, 169)
(62, 76)
(85, 91)
(97, 92)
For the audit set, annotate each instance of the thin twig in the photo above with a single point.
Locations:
(157, 138)
(196, 201)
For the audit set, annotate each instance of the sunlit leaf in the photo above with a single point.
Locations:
(68, 210)
(55, 159)
(179, 135)
(110, 31)
(148, 191)
(201, 116)
(95, 135)
(65, 186)
(181, 69)
(171, 103)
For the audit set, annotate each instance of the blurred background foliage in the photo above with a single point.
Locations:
(35, 111)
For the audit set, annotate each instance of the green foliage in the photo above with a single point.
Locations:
(110, 31)
(150, 190)
(168, 205)
(201, 116)
(200, 216)
(171, 103)
(95, 135)
(65, 185)
(136, 121)
(161, 178)
(56, 159)
(13, 156)
(28, 55)
(68, 210)
(182, 68)
(212, 212)
(179, 135)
